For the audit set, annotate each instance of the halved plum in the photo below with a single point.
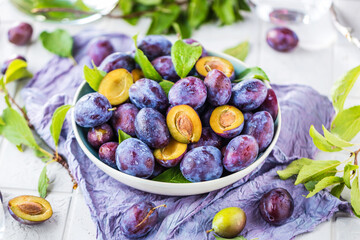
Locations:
(227, 121)
(184, 124)
(170, 155)
(115, 86)
(30, 209)
(206, 64)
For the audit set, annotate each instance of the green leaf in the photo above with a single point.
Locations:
(20, 148)
(335, 140)
(172, 175)
(43, 183)
(16, 129)
(235, 238)
(149, 2)
(310, 185)
(126, 6)
(225, 11)
(184, 57)
(163, 18)
(324, 183)
(314, 169)
(93, 76)
(253, 72)
(243, 5)
(123, 136)
(347, 173)
(58, 42)
(337, 190)
(321, 143)
(355, 196)
(240, 51)
(43, 157)
(145, 65)
(57, 122)
(184, 26)
(16, 70)
(293, 168)
(346, 124)
(197, 12)
(166, 86)
(2, 121)
(342, 87)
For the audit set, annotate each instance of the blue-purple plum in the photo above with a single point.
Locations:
(146, 93)
(202, 164)
(151, 128)
(208, 138)
(218, 88)
(99, 49)
(92, 110)
(261, 127)
(117, 60)
(20, 34)
(282, 39)
(124, 118)
(99, 135)
(107, 153)
(276, 206)
(205, 117)
(248, 94)
(135, 222)
(165, 67)
(240, 152)
(135, 158)
(270, 104)
(188, 91)
(155, 46)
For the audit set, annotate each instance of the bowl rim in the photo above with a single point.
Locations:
(233, 177)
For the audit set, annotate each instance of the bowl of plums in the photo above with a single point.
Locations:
(175, 119)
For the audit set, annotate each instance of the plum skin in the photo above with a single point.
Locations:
(188, 91)
(99, 135)
(117, 60)
(229, 222)
(107, 153)
(276, 206)
(124, 118)
(154, 46)
(261, 127)
(133, 216)
(20, 34)
(146, 93)
(282, 39)
(208, 138)
(165, 67)
(270, 104)
(135, 158)
(151, 128)
(92, 110)
(240, 152)
(99, 49)
(218, 88)
(202, 164)
(248, 94)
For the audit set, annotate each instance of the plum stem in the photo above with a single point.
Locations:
(208, 68)
(208, 231)
(149, 214)
(112, 109)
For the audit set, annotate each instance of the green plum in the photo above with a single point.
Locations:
(229, 222)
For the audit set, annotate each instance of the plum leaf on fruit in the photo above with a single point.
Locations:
(57, 121)
(184, 57)
(172, 175)
(166, 86)
(59, 42)
(93, 76)
(253, 72)
(43, 183)
(123, 136)
(146, 66)
(7, 62)
(239, 51)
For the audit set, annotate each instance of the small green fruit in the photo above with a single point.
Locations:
(229, 222)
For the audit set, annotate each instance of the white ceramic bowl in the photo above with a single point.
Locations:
(164, 188)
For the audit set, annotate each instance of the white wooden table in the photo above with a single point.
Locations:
(19, 172)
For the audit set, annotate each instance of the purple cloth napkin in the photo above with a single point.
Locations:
(186, 217)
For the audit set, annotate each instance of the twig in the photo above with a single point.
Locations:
(61, 160)
(356, 155)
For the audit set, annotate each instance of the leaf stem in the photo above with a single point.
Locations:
(45, 152)
(149, 214)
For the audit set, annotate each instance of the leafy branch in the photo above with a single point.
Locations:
(17, 129)
(320, 174)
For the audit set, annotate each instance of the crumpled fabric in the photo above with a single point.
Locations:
(186, 217)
